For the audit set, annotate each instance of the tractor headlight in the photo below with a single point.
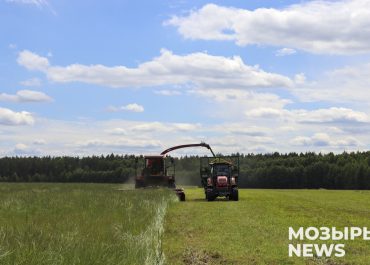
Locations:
(232, 181)
(209, 182)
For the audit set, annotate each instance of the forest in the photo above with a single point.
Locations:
(276, 171)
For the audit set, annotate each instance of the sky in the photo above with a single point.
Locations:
(93, 77)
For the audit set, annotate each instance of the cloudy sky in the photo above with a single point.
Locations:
(99, 77)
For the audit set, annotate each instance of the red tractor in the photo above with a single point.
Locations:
(159, 171)
(219, 177)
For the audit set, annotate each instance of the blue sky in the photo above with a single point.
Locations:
(93, 77)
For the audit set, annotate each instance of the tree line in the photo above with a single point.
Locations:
(99, 169)
(294, 171)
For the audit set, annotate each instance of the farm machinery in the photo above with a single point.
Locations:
(159, 170)
(219, 177)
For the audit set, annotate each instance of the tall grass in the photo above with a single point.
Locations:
(81, 224)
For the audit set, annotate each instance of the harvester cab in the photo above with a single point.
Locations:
(156, 172)
(219, 177)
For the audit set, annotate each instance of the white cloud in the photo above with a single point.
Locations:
(325, 140)
(32, 61)
(339, 115)
(301, 140)
(331, 27)
(31, 82)
(165, 92)
(164, 127)
(38, 3)
(321, 139)
(300, 79)
(285, 52)
(329, 115)
(154, 127)
(133, 107)
(118, 131)
(39, 142)
(9, 117)
(150, 127)
(240, 118)
(199, 69)
(21, 146)
(98, 137)
(213, 21)
(347, 84)
(122, 144)
(26, 96)
(230, 104)
(266, 113)
(249, 99)
(186, 127)
(242, 129)
(88, 137)
(22, 149)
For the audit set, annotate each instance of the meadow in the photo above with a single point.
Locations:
(81, 224)
(113, 224)
(254, 230)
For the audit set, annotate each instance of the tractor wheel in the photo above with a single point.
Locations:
(210, 196)
(138, 184)
(182, 197)
(234, 194)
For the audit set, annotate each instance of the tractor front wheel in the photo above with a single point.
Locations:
(139, 184)
(210, 196)
(234, 194)
(182, 197)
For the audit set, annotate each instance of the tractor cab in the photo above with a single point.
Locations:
(221, 169)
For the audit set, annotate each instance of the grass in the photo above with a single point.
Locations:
(112, 224)
(254, 230)
(81, 224)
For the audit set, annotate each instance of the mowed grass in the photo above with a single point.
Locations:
(254, 230)
(81, 224)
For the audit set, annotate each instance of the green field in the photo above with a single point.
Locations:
(254, 230)
(81, 224)
(112, 224)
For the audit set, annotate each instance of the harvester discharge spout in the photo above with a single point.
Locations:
(189, 145)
